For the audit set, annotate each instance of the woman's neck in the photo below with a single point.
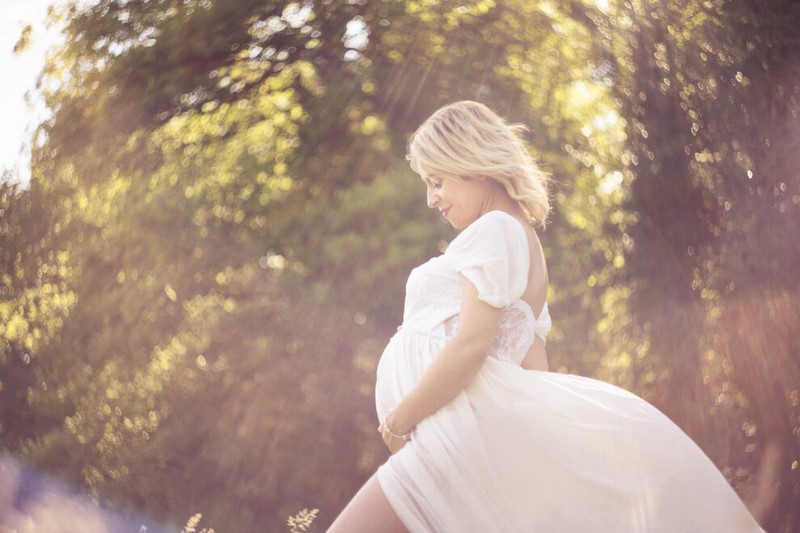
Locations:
(499, 200)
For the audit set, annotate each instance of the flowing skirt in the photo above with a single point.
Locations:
(521, 451)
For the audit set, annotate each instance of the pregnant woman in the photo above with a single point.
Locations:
(483, 437)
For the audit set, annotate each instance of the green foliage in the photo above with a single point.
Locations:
(199, 279)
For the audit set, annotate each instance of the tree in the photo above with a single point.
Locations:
(706, 88)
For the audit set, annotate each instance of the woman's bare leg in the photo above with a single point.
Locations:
(368, 512)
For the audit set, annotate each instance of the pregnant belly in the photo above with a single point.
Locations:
(401, 365)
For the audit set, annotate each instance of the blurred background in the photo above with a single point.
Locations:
(202, 265)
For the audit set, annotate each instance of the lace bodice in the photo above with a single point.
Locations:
(493, 254)
(515, 331)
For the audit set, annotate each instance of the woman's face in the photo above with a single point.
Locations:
(461, 201)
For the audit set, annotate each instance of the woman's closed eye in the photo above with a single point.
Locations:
(434, 183)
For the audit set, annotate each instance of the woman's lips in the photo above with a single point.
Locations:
(445, 211)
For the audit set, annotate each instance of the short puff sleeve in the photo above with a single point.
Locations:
(492, 253)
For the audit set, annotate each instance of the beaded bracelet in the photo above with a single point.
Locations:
(405, 437)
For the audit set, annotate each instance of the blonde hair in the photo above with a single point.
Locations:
(468, 140)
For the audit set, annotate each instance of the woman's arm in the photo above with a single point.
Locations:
(453, 369)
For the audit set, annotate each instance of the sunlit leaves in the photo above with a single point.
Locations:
(35, 290)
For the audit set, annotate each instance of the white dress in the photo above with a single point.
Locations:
(529, 451)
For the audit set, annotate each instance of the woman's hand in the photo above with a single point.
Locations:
(394, 445)
(392, 440)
